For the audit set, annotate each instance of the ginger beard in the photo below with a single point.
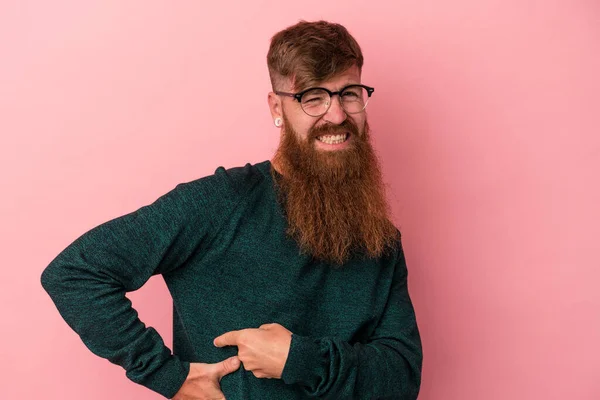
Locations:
(334, 201)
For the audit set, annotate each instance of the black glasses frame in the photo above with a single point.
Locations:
(298, 96)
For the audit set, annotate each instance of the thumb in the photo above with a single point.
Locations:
(227, 366)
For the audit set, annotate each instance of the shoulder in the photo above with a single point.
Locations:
(241, 179)
(224, 187)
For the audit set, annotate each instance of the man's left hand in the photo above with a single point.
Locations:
(263, 351)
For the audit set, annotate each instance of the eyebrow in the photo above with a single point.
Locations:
(347, 83)
(320, 84)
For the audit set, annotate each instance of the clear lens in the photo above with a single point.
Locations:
(354, 99)
(315, 102)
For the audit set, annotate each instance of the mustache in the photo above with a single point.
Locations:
(332, 129)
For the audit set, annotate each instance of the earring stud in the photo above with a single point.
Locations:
(277, 121)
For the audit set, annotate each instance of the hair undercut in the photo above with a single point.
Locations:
(311, 52)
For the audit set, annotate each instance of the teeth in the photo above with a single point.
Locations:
(333, 139)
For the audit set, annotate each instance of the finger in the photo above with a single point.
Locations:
(228, 339)
(260, 374)
(266, 326)
(226, 366)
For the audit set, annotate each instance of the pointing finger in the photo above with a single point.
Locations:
(228, 339)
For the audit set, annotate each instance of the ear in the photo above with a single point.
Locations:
(275, 106)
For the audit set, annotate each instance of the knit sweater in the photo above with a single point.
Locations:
(220, 244)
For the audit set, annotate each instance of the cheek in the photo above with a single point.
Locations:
(359, 121)
(303, 128)
(304, 133)
(295, 119)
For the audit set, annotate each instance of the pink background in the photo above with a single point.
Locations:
(486, 116)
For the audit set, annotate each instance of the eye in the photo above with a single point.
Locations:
(312, 99)
(350, 94)
(314, 96)
(353, 94)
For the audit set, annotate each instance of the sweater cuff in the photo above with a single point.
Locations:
(304, 362)
(169, 378)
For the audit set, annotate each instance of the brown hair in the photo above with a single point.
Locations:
(311, 52)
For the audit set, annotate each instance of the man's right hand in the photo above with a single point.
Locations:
(202, 382)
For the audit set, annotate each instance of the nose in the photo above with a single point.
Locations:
(335, 114)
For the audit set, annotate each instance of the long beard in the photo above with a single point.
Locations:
(334, 201)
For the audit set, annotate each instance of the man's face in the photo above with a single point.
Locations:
(306, 126)
(333, 194)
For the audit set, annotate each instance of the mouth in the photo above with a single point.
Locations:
(334, 139)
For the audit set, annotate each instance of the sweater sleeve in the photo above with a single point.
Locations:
(388, 366)
(88, 280)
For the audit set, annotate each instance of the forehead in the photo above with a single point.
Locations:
(349, 76)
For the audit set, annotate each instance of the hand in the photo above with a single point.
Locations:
(263, 351)
(202, 382)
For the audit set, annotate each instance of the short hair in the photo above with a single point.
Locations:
(311, 52)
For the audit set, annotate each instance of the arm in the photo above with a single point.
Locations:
(88, 280)
(387, 367)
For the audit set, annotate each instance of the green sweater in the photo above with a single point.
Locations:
(219, 242)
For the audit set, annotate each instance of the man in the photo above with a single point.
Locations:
(288, 278)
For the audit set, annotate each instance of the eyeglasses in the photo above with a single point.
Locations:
(316, 101)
